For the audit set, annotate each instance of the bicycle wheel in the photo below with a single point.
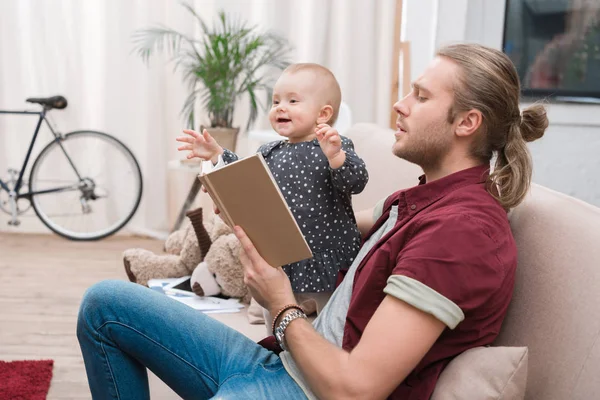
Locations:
(92, 185)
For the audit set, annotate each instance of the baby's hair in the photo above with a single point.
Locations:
(330, 88)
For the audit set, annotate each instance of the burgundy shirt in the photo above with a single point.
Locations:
(454, 237)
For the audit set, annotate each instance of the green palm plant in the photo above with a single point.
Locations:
(228, 61)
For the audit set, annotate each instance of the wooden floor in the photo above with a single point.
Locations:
(42, 281)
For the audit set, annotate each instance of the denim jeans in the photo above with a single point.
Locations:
(124, 328)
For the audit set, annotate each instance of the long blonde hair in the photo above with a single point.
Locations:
(489, 83)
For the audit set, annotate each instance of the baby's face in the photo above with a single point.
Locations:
(295, 106)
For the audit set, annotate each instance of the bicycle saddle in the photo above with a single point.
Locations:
(57, 102)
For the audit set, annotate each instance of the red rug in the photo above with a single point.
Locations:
(25, 380)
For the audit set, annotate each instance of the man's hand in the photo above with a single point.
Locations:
(200, 145)
(331, 144)
(269, 286)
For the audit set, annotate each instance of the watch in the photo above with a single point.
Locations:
(280, 330)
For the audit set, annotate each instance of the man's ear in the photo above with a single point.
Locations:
(468, 123)
(325, 114)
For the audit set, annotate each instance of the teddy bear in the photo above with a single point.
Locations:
(184, 252)
(206, 250)
(221, 272)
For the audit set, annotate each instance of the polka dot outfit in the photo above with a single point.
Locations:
(320, 200)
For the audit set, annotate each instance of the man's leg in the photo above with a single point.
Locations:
(124, 328)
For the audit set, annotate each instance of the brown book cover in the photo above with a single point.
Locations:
(247, 195)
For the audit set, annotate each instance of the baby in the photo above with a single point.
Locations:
(317, 171)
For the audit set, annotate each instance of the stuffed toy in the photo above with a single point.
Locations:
(206, 250)
(221, 272)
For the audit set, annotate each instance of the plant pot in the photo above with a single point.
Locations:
(226, 137)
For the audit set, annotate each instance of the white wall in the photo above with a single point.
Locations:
(83, 50)
(567, 158)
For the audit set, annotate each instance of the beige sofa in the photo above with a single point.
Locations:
(556, 305)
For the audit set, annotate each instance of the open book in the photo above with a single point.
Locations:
(247, 195)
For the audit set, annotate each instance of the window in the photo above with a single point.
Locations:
(555, 45)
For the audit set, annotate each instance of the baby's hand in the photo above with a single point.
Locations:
(331, 144)
(200, 145)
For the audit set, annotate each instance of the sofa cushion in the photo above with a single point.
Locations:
(555, 310)
(484, 373)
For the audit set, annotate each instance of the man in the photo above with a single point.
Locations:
(433, 278)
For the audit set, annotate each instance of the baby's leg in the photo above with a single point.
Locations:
(310, 303)
(313, 302)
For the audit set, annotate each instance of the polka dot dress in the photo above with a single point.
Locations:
(320, 200)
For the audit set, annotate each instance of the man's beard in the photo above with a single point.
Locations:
(427, 148)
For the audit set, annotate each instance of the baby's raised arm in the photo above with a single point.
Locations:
(348, 170)
(201, 145)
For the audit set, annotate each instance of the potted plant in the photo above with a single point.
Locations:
(228, 61)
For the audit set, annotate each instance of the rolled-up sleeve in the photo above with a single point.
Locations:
(425, 299)
(447, 268)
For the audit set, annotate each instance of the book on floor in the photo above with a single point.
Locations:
(247, 195)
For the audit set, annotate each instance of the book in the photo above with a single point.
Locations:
(206, 304)
(248, 196)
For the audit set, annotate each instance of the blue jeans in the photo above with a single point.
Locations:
(124, 328)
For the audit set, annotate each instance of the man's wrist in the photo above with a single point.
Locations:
(280, 312)
(289, 317)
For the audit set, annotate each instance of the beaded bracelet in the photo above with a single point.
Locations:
(283, 325)
(282, 310)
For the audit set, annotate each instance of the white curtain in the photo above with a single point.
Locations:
(83, 50)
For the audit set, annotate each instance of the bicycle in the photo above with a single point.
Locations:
(66, 186)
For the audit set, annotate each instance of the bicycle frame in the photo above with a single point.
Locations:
(15, 193)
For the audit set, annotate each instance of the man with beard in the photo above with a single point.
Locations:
(433, 278)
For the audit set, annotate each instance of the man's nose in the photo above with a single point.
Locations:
(402, 108)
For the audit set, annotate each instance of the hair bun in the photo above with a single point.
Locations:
(534, 122)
